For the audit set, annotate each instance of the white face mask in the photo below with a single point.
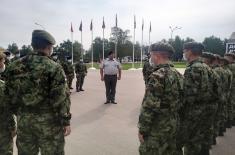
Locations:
(55, 57)
(2, 69)
(151, 62)
(17, 55)
(184, 57)
(70, 61)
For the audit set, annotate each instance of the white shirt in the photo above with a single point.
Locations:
(110, 67)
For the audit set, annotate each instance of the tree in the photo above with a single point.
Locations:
(13, 48)
(25, 49)
(178, 46)
(214, 45)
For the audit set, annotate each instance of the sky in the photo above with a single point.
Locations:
(198, 18)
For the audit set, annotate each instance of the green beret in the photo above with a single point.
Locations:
(230, 55)
(162, 47)
(194, 46)
(208, 55)
(42, 37)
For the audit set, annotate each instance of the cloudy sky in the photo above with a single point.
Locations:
(198, 18)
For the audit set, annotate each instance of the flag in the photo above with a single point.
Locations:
(150, 28)
(116, 21)
(91, 26)
(142, 24)
(80, 27)
(103, 26)
(134, 23)
(71, 29)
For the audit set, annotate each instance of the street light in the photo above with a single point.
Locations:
(174, 29)
(40, 26)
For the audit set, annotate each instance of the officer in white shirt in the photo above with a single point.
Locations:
(110, 72)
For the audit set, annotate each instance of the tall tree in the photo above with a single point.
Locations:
(214, 45)
(13, 48)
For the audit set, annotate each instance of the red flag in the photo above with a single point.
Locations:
(71, 28)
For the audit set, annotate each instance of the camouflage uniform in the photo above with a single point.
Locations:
(7, 125)
(232, 96)
(38, 94)
(147, 71)
(220, 117)
(81, 72)
(228, 84)
(69, 72)
(158, 120)
(196, 104)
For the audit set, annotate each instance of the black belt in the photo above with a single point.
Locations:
(110, 75)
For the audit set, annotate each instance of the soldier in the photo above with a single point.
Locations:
(81, 72)
(228, 86)
(208, 58)
(38, 94)
(69, 71)
(17, 56)
(197, 96)
(159, 112)
(7, 127)
(231, 57)
(147, 70)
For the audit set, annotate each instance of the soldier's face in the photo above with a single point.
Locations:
(154, 58)
(229, 59)
(187, 54)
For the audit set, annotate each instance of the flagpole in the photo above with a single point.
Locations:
(82, 48)
(103, 43)
(92, 56)
(133, 56)
(103, 26)
(142, 38)
(72, 40)
(116, 36)
(150, 29)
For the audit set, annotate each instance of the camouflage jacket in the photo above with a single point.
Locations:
(159, 111)
(229, 79)
(80, 68)
(6, 116)
(35, 83)
(147, 71)
(197, 90)
(68, 68)
(232, 69)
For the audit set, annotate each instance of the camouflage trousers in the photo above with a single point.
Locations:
(39, 133)
(70, 80)
(6, 142)
(152, 146)
(80, 81)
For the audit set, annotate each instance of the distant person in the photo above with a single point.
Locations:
(110, 72)
(81, 72)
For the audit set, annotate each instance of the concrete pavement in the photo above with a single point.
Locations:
(99, 129)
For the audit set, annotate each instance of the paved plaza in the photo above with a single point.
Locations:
(99, 129)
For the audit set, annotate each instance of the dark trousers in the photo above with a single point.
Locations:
(110, 85)
(80, 81)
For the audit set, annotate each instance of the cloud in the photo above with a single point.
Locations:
(199, 18)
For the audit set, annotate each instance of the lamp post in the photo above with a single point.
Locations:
(172, 29)
(40, 25)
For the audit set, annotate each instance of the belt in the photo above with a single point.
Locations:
(110, 75)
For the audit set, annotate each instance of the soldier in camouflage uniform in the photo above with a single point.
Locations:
(231, 57)
(69, 71)
(209, 58)
(7, 127)
(38, 94)
(197, 95)
(147, 70)
(158, 120)
(81, 72)
(228, 86)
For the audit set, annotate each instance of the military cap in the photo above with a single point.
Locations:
(230, 55)
(194, 46)
(42, 36)
(208, 55)
(162, 47)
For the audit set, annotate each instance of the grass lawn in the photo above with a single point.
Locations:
(126, 66)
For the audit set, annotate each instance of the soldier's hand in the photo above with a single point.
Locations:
(141, 138)
(13, 133)
(67, 130)
(119, 77)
